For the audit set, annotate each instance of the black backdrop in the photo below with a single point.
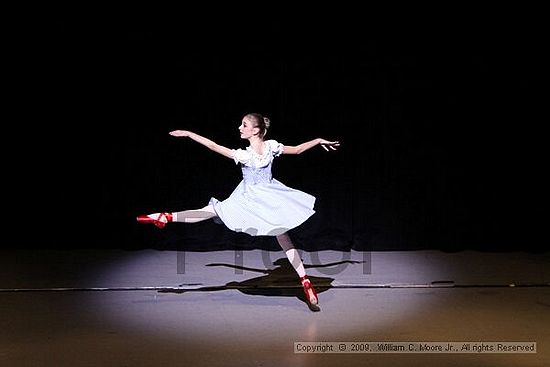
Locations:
(433, 123)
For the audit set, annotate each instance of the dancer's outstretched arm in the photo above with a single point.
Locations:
(327, 145)
(204, 141)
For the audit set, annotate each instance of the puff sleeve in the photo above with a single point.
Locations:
(276, 147)
(241, 156)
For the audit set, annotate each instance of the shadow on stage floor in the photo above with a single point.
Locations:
(246, 308)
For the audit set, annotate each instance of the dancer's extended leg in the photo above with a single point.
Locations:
(186, 216)
(194, 216)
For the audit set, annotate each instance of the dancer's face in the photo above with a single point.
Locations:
(247, 128)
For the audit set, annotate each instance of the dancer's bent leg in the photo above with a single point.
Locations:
(292, 254)
(296, 262)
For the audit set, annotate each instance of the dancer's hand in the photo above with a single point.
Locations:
(180, 133)
(329, 145)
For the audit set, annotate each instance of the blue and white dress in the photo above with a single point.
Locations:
(261, 205)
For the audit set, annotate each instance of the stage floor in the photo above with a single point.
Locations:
(231, 308)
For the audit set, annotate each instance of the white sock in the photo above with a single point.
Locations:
(158, 216)
(296, 261)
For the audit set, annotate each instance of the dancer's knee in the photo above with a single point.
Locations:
(209, 209)
(285, 242)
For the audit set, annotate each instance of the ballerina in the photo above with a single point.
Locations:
(260, 205)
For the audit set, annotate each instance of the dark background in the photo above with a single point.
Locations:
(439, 149)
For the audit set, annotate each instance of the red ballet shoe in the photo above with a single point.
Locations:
(158, 219)
(311, 294)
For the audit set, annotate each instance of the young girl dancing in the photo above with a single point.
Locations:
(260, 205)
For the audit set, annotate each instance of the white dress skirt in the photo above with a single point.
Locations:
(261, 205)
